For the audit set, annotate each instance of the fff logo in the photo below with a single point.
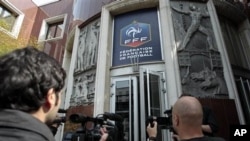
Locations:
(135, 34)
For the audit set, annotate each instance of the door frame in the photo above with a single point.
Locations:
(139, 110)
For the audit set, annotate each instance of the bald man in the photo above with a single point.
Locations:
(187, 117)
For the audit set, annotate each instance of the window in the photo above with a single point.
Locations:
(44, 2)
(7, 18)
(234, 43)
(243, 87)
(53, 28)
(10, 18)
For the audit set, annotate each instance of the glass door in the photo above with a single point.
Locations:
(152, 97)
(136, 98)
(243, 87)
(124, 102)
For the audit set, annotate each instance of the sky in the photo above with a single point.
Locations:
(43, 2)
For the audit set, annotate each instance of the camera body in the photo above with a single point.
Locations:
(95, 135)
(114, 129)
(162, 122)
(57, 122)
(87, 135)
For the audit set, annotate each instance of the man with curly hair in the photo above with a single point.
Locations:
(31, 84)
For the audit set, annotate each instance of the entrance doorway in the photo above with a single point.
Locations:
(136, 98)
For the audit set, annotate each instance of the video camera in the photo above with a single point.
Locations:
(61, 119)
(162, 122)
(115, 130)
(57, 122)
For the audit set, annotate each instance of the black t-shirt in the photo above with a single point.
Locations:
(209, 119)
(205, 138)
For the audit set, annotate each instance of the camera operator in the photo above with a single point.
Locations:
(187, 117)
(209, 124)
(30, 94)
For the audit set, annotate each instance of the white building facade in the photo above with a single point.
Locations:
(136, 57)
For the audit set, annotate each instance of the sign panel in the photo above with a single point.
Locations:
(136, 37)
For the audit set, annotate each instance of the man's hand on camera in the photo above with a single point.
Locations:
(104, 134)
(152, 131)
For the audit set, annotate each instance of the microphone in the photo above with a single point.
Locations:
(62, 111)
(77, 118)
(60, 120)
(113, 116)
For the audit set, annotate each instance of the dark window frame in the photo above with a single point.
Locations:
(10, 20)
(54, 30)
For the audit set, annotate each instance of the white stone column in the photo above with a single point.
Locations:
(170, 53)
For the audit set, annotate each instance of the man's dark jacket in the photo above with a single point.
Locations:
(20, 126)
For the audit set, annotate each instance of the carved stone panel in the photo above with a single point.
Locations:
(83, 90)
(87, 47)
(199, 60)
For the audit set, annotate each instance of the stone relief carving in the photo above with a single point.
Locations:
(202, 74)
(83, 90)
(85, 65)
(199, 60)
(87, 48)
(208, 80)
(196, 15)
